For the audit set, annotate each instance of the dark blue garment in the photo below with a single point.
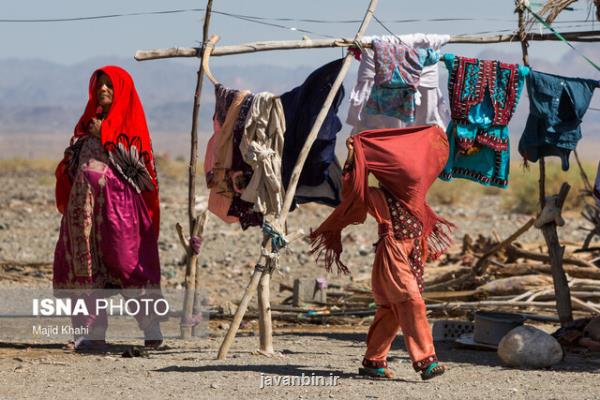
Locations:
(556, 107)
(301, 106)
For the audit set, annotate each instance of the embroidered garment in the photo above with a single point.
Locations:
(261, 148)
(301, 106)
(483, 97)
(556, 107)
(406, 227)
(431, 107)
(405, 162)
(124, 135)
(106, 235)
(398, 70)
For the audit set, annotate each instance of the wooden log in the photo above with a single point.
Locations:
(482, 262)
(15, 263)
(175, 52)
(434, 275)
(516, 253)
(451, 283)
(526, 269)
(191, 270)
(496, 304)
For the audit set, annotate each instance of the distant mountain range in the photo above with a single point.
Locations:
(38, 97)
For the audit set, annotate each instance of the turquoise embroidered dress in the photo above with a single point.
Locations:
(483, 97)
(398, 69)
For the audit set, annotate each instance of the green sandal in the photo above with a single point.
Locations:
(384, 373)
(433, 370)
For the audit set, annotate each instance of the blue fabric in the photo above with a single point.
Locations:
(301, 106)
(556, 107)
(470, 157)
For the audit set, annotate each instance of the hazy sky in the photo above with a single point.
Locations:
(71, 42)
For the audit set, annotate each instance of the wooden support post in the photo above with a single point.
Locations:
(192, 259)
(198, 297)
(264, 307)
(187, 318)
(259, 269)
(555, 251)
(266, 334)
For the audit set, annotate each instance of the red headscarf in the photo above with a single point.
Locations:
(125, 124)
(406, 162)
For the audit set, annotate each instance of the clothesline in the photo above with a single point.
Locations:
(143, 55)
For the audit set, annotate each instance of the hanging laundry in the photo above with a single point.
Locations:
(228, 105)
(431, 107)
(483, 97)
(320, 180)
(241, 173)
(556, 107)
(398, 70)
(261, 147)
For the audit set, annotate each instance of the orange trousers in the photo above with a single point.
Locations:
(410, 317)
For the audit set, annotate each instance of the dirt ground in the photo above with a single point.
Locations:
(189, 370)
(184, 369)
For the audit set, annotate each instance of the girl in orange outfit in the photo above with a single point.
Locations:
(406, 163)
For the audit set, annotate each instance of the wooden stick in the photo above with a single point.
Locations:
(295, 176)
(556, 253)
(201, 226)
(482, 261)
(241, 310)
(280, 222)
(264, 306)
(530, 255)
(495, 303)
(192, 265)
(14, 263)
(522, 34)
(584, 177)
(526, 269)
(143, 55)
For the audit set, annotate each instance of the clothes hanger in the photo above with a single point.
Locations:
(208, 48)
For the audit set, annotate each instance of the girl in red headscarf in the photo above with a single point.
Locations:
(406, 162)
(107, 191)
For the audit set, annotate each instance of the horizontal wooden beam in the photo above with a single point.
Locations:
(143, 55)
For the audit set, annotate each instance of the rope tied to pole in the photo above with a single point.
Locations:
(278, 241)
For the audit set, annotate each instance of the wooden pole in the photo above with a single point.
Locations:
(198, 297)
(263, 277)
(241, 310)
(264, 306)
(186, 324)
(143, 55)
(555, 251)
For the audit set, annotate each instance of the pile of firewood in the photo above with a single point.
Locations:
(490, 274)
